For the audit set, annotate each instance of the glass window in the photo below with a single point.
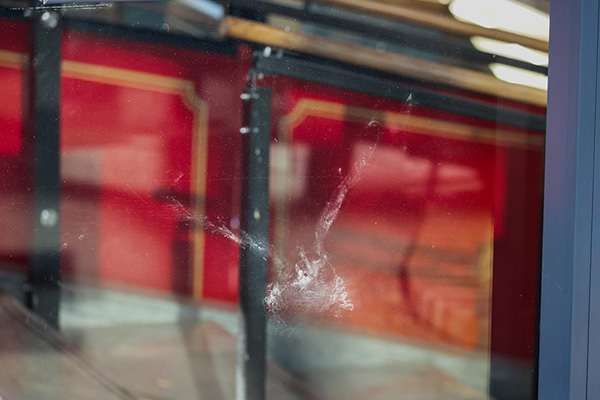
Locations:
(349, 190)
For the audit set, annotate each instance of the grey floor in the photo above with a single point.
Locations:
(162, 349)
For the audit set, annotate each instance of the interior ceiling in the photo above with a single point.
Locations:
(542, 5)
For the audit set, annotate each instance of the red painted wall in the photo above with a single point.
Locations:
(441, 199)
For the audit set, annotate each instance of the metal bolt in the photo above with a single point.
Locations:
(49, 20)
(35, 300)
(261, 76)
(244, 130)
(49, 217)
(248, 96)
(267, 52)
(256, 214)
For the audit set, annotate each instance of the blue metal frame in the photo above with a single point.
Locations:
(568, 253)
(593, 386)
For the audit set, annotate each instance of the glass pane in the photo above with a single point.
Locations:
(393, 224)
(352, 190)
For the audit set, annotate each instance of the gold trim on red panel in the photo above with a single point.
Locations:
(306, 107)
(10, 59)
(161, 84)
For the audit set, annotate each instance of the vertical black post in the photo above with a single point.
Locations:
(254, 253)
(41, 123)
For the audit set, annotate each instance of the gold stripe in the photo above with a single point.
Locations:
(420, 125)
(161, 84)
(10, 59)
(198, 189)
(127, 78)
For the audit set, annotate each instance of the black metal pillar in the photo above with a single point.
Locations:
(254, 253)
(41, 123)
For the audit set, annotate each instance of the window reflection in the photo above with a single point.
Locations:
(381, 242)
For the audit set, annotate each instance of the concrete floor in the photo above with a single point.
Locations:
(132, 346)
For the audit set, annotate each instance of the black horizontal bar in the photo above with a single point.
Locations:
(226, 46)
(380, 84)
(56, 2)
(11, 13)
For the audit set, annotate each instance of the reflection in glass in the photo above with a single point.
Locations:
(402, 190)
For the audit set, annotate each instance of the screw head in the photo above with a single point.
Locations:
(49, 20)
(49, 217)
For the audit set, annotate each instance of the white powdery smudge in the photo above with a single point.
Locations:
(243, 239)
(311, 284)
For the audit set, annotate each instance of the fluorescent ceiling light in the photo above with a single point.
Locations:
(507, 15)
(206, 7)
(520, 76)
(510, 50)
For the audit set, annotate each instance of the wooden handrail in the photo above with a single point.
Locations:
(437, 21)
(429, 6)
(380, 60)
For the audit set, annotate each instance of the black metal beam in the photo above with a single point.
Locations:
(226, 46)
(42, 138)
(72, 22)
(254, 251)
(380, 84)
